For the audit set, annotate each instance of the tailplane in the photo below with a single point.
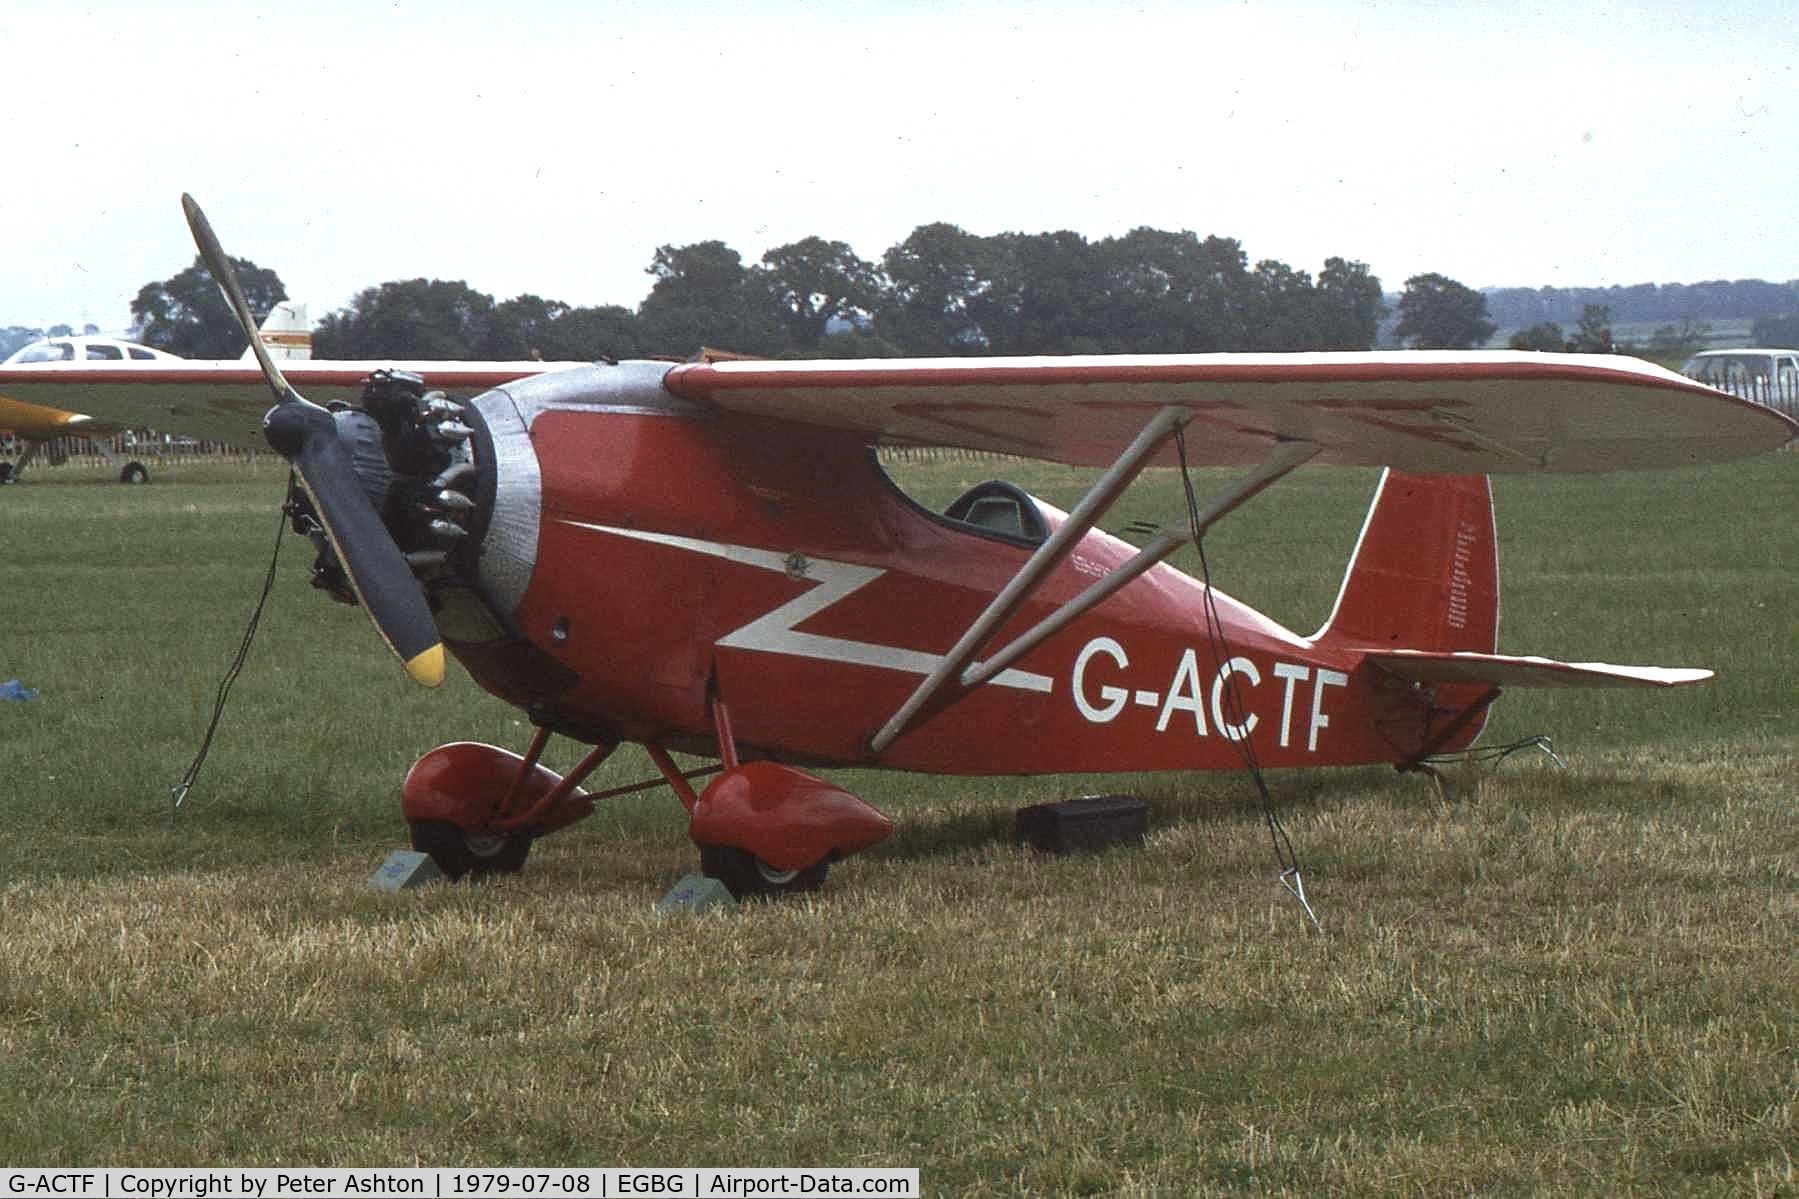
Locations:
(1420, 606)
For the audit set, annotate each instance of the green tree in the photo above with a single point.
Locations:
(609, 331)
(1544, 336)
(523, 327)
(935, 276)
(1437, 313)
(705, 296)
(1676, 340)
(1777, 332)
(1594, 333)
(188, 315)
(1044, 296)
(814, 281)
(1349, 306)
(1171, 292)
(426, 319)
(1285, 312)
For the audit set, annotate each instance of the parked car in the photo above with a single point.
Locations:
(1768, 377)
(81, 349)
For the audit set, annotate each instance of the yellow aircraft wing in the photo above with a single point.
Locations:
(215, 401)
(35, 422)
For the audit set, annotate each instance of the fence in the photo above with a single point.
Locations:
(1780, 394)
(1758, 378)
(148, 447)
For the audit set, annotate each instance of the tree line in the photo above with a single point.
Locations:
(941, 291)
(945, 291)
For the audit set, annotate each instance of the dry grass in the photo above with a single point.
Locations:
(1553, 981)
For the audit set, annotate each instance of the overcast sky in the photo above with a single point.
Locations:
(549, 147)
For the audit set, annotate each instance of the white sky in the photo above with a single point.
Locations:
(549, 146)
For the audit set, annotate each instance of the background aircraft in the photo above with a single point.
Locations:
(41, 429)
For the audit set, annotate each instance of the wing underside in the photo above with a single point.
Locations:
(1468, 412)
(1425, 412)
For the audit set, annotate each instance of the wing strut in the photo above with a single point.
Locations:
(1282, 458)
(1107, 488)
(1285, 456)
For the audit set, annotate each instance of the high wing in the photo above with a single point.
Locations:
(1458, 412)
(220, 401)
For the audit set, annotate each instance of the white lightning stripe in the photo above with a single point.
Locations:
(774, 632)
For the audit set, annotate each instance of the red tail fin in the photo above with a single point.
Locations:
(1425, 574)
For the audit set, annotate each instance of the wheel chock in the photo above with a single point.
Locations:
(696, 893)
(403, 869)
(1092, 822)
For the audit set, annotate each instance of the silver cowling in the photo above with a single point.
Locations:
(507, 553)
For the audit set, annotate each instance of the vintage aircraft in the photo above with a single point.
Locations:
(285, 332)
(706, 557)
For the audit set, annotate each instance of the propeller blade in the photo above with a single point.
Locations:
(304, 434)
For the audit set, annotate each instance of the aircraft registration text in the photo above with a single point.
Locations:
(1230, 696)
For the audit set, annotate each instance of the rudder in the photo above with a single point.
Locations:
(1425, 572)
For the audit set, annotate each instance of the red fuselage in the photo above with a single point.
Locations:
(681, 554)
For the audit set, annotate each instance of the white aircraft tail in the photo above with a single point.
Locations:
(286, 332)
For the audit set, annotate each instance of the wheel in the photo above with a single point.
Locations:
(459, 855)
(134, 472)
(5, 472)
(745, 875)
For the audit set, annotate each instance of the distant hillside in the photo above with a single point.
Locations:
(1653, 303)
(1729, 307)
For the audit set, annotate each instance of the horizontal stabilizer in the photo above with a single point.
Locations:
(1503, 670)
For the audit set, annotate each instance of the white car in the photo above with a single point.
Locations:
(1768, 377)
(82, 349)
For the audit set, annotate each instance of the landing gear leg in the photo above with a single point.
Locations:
(765, 829)
(741, 871)
(12, 472)
(129, 472)
(476, 809)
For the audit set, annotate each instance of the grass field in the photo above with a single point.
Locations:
(1570, 981)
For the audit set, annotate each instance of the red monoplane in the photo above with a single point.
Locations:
(707, 557)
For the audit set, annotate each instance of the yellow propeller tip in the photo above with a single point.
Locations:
(427, 668)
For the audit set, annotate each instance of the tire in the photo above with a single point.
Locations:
(134, 472)
(460, 856)
(746, 876)
(5, 473)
